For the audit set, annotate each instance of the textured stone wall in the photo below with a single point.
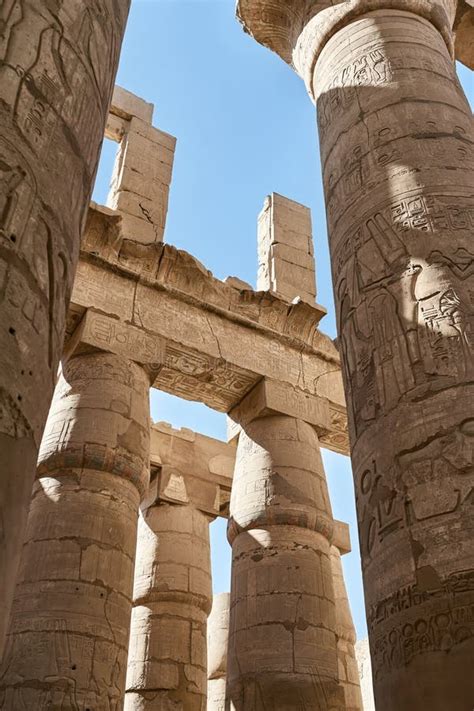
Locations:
(57, 70)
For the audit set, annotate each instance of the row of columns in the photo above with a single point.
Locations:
(68, 643)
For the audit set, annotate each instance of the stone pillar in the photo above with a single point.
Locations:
(57, 68)
(67, 644)
(396, 138)
(285, 250)
(172, 599)
(217, 641)
(346, 637)
(282, 642)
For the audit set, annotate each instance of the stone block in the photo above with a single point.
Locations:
(273, 397)
(141, 230)
(127, 105)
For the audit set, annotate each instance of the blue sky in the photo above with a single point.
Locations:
(245, 128)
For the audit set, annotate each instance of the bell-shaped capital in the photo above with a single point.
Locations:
(297, 30)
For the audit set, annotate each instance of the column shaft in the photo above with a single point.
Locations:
(282, 644)
(397, 141)
(217, 642)
(57, 68)
(67, 644)
(346, 638)
(172, 599)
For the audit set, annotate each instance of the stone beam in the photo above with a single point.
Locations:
(212, 342)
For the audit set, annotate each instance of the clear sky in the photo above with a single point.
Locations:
(245, 128)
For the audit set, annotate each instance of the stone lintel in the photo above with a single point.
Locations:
(190, 468)
(218, 341)
(123, 108)
(271, 397)
(128, 105)
(464, 29)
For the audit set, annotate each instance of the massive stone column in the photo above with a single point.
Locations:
(191, 477)
(172, 599)
(217, 641)
(346, 637)
(396, 139)
(57, 68)
(67, 643)
(282, 642)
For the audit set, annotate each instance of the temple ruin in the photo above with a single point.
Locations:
(106, 596)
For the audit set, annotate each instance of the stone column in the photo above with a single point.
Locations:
(57, 68)
(365, 674)
(172, 599)
(67, 644)
(282, 642)
(396, 137)
(217, 641)
(346, 637)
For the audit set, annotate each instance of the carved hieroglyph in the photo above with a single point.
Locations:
(57, 69)
(282, 642)
(396, 138)
(67, 643)
(217, 641)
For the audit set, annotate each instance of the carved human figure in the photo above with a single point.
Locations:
(68, 639)
(58, 60)
(396, 138)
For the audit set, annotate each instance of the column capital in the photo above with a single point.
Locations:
(298, 30)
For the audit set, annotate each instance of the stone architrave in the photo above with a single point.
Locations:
(172, 599)
(282, 641)
(217, 641)
(68, 639)
(57, 68)
(346, 637)
(396, 137)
